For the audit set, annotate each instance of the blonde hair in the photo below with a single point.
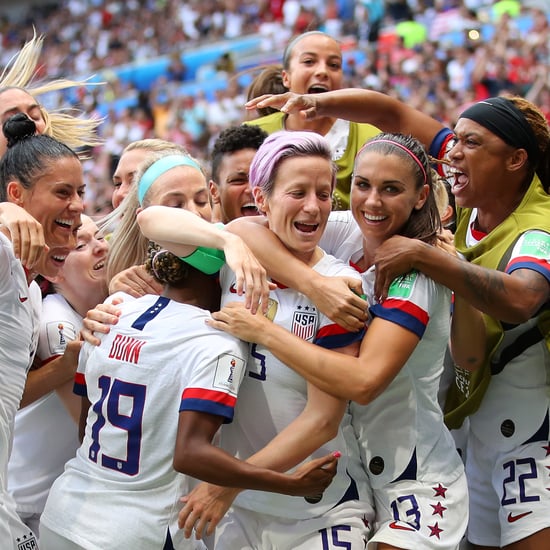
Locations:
(440, 193)
(65, 127)
(127, 245)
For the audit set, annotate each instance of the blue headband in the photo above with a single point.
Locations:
(160, 167)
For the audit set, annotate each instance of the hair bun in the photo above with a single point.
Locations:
(18, 127)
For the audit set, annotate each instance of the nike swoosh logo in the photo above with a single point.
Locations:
(233, 289)
(511, 518)
(23, 298)
(395, 525)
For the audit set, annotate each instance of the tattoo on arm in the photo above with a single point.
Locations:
(483, 283)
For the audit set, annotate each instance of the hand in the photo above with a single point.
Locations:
(251, 275)
(27, 235)
(313, 477)
(446, 241)
(393, 258)
(135, 281)
(289, 102)
(339, 298)
(204, 507)
(240, 322)
(100, 320)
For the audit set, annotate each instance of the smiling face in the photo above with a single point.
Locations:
(84, 270)
(181, 187)
(478, 165)
(124, 173)
(383, 195)
(55, 200)
(232, 190)
(315, 65)
(299, 204)
(13, 101)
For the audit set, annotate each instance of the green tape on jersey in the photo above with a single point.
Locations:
(403, 286)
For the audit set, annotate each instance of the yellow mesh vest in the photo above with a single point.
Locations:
(464, 397)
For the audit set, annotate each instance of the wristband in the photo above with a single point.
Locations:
(207, 260)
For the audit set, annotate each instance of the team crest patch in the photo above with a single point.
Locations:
(27, 542)
(229, 372)
(304, 322)
(403, 286)
(272, 306)
(59, 334)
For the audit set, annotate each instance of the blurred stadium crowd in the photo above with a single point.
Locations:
(437, 55)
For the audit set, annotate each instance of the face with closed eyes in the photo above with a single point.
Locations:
(84, 271)
(181, 187)
(16, 100)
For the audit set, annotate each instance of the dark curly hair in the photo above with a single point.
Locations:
(232, 139)
(165, 267)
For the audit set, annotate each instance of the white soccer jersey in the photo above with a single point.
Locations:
(44, 427)
(19, 316)
(121, 491)
(272, 395)
(408, 409)
(409, 454)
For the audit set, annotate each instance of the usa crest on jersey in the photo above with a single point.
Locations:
(304, 322)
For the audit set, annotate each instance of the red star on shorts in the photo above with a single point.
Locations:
(440, 490)
(435, 530)
(547, 449)
(438, 509)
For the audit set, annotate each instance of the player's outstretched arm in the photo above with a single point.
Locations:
(337, 297)
(196, 456)
(358, 105)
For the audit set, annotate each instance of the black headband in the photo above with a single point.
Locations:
(505, 120)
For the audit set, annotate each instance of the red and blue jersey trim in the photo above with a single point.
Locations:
(529, 262)
(208, 401)
(403, 313)
(334, 336)
(439, 146)
(79, 387)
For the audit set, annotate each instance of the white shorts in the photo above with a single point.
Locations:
(14, 534)
(414, 514)
(344, 526)
(509, 492)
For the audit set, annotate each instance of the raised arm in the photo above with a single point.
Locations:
(359, 105)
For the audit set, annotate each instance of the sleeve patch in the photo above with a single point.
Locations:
(229, 372)
(534, 243)
(59, 333)
(403, 286)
